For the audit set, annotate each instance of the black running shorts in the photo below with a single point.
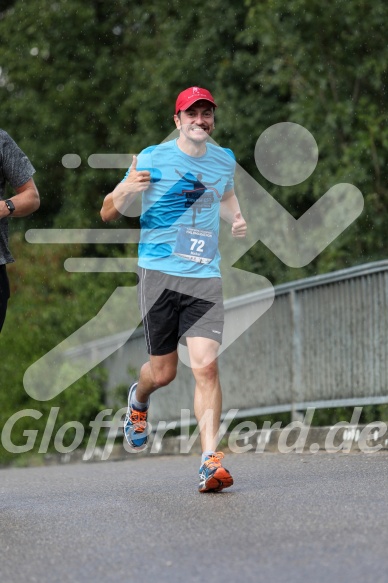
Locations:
(4, 294)
(174, 308)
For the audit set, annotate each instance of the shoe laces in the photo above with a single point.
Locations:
(139, 420)
(214, 460)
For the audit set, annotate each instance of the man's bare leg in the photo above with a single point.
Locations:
(207, 397)
(158, 372)
(207, 407)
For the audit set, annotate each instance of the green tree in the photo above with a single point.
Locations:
(101, 77)
(325, 63)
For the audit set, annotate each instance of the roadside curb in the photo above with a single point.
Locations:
(295, 438)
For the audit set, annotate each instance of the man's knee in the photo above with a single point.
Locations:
(163, 369)
(164, 377)
(163, 373)
(207, 373)
(203, 354)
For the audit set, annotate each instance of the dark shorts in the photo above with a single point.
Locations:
(4, 294)
(174, 308)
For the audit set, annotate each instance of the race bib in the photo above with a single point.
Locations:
(196, 244)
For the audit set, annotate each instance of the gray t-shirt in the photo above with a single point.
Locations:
(16, 169)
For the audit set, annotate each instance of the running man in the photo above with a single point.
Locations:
(180, 288)
(16, 170)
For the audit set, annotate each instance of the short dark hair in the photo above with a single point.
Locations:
(180, 111)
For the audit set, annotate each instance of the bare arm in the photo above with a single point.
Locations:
(26, 201)
(231, 213)
(123, 195)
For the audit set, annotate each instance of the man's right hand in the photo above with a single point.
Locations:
(137, 180)
(123, 195)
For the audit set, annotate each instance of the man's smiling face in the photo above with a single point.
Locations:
(197, 122)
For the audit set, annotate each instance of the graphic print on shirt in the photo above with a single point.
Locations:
(198, 196)
(195, 193)
(190, 194)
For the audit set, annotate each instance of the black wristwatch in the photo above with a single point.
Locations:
(10, 206)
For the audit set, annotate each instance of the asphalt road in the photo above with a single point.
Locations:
(289, 517)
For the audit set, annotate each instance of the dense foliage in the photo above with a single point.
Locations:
(86, 77)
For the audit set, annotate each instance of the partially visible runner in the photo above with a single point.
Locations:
(17, 170)
(187, 185)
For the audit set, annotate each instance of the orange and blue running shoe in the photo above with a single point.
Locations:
(212, 476)
(135, 424)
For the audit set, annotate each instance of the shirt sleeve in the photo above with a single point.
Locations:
(144, 161)
(16, 167)
(230, 182)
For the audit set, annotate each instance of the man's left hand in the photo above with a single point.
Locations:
(239, 226)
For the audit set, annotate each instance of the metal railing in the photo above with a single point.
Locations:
(323, 343)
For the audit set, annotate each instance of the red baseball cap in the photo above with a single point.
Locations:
(189, 96)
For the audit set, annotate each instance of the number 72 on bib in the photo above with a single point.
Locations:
(196, 244)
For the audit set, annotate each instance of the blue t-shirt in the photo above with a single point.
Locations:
(180, 210)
